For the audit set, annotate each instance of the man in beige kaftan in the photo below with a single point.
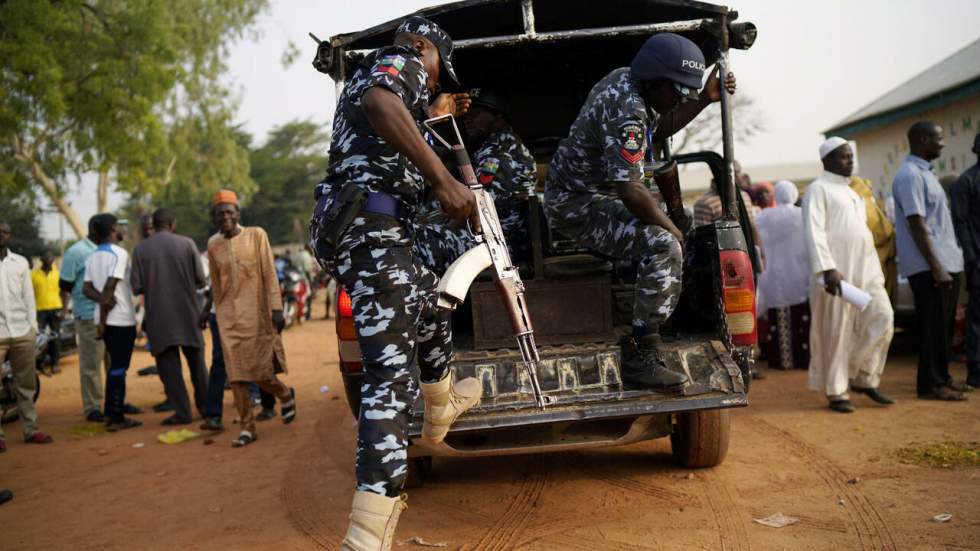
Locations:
(248, 306)
(847, 345)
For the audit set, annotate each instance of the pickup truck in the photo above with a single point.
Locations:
(581, 300)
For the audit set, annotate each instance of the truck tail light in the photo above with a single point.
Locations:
(345, 308)
(350, 351)
(738, 292)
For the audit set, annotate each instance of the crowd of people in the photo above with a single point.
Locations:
(164, 288)
(370, 231)
(836, 235)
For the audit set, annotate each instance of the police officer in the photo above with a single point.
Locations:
(504, 166)
(595, 195)
(360, 232)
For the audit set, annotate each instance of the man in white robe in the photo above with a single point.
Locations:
(848, 346)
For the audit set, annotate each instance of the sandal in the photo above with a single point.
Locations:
(289, 408)
(244, 438)
(126, 423)
(38, 438)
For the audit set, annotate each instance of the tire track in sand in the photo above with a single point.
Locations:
(871, 529)
(506, 532)
(732, 533)
(307, 483)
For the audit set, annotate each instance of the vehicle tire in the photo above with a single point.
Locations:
(700, 438)
(352, 390)
(419, 469)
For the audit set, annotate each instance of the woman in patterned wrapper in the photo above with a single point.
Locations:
(783, 288)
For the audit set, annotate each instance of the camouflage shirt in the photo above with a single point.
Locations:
(608, 140)
(506, 169)
(357, 153)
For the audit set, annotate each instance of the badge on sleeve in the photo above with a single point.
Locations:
(631, 137)
(488, 169)
(391, 64)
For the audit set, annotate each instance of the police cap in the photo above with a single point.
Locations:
(421, 26)
(488, 99)
(669, 56)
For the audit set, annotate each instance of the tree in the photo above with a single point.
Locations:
(286, 168)
(208, 154)
(94, 85)
(704, 132)
(18, 208)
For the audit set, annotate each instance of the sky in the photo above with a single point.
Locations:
(813, 64)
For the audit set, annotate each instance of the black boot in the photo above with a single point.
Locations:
(644, 368)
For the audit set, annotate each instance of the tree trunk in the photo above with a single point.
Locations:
(102, 192)
(28, 159)
(51, 190)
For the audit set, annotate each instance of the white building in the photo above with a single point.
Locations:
(948, 94)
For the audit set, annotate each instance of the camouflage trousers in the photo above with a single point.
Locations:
(603, 224)
(439, 244)
(403, 336)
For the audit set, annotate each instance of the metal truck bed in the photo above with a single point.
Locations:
(592, 405)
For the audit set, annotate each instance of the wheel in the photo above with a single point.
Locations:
(419, 469)
(700, 438)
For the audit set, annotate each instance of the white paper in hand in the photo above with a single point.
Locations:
(856, 296)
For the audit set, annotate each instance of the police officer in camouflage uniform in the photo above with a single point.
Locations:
(360, 232)
(594, 192)
(504, 166)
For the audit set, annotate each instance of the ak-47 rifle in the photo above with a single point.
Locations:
(490, 252)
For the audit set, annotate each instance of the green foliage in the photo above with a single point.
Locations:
(19, 209)
(286, 168)
(130, 87)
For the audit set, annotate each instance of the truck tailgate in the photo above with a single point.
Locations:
(585, 381)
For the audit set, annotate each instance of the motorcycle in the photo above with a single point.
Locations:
(9, 411)
(295, 290)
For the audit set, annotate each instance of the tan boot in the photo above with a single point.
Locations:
(372, 521)
(444, 402)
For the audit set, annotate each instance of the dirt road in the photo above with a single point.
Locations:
(291, 490)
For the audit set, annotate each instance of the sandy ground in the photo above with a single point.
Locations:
(291, 490)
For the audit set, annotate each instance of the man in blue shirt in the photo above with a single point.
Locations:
(930, 258)
(91, 349)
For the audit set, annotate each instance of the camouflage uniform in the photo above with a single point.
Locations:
(401, 332)
(508, 171)
(607, 144)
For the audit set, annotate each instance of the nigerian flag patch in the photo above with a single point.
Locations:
(391, 64)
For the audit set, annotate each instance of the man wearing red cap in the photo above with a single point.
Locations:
(248, 307)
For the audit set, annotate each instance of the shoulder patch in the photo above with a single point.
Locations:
(391, 64)
(631, 140)
(488, 169)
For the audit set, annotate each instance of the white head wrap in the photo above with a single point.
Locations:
(786, 193)
(831, 144)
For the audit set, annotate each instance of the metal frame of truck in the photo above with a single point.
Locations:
(592, 407)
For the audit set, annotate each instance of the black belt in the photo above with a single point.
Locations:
(377, 202)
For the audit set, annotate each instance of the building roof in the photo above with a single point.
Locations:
(951, 79)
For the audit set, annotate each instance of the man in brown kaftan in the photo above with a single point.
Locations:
(248, 306)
